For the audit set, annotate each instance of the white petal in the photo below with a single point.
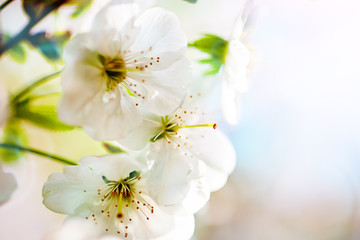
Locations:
(235, 67)
(79, 47)
(159, 223)
(235, 82)
(140, 136)
(76, 229)
(7, 185)
(197, 196)
(111, 120)
(246, 9)
(230, 102)
(113, 166)
(160, 29)
(115, 16)
(185, 226)
(166, 89)
(71, 192)
(169, 174)
(217, 152)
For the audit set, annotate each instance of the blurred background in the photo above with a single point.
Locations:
(298, 143)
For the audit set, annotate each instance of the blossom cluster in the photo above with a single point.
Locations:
(127, 82)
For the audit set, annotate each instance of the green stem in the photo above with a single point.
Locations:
(4, 4)
(34, 85)
(24, 33)
(38, 152)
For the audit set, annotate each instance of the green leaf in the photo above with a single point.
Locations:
(18, 53)
(13, 134)
(190, 1)
(42, 116)
(81, 8)
(111, 148)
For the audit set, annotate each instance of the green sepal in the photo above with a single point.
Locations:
(13, 134)
(111, 148)
(133, 175)
(216, 47)
(41, 116)
(215, 65)
(105, 180)
(190, 1)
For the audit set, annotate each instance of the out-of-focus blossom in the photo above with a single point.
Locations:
(7, 185)
(111, 192)
(122, 64)
(228, 58)
(234, 80)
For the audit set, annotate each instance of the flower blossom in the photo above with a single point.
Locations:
(195, 144)
(124, 63)
(111, 192)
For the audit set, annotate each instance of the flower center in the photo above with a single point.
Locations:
(119, 200)
(123, 191)
(170, 127)
(114, 71)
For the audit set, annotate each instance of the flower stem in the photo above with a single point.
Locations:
(34, 85)
(24, 33)
(38, 152)
(4, 4)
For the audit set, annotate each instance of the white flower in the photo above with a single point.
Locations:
(234, 80)
(184, 132)
(111, 192)
(122, 64)
(7, 185)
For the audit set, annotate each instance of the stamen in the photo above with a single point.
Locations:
(199, 125)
